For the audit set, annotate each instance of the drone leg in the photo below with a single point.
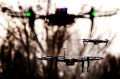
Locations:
(82, 66)
(84, 43)
(92, 26)
(88, 65)
(106, 44)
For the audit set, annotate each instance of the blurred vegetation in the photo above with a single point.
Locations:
(18, 56)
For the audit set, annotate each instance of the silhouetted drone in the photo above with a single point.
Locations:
(61, 17)
(71, 61)
(96, 41)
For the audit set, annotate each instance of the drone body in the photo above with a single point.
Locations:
(61, 17)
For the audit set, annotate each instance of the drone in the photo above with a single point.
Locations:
(96, 41)
(60, 18)
(71, 61)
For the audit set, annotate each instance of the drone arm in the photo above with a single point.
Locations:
(46, 16)
(95, 58)
(13, 15)
(80, 16)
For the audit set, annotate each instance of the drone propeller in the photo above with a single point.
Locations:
(4, 9)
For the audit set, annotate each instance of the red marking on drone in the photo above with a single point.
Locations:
(58, 10)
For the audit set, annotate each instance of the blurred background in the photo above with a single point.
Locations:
(19, 52)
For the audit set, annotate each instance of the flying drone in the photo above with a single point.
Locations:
(60, 18)
(96, 41)
(71, 61)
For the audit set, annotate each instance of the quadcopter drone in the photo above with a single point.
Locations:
(60, 18)
(71, 61)
(96, 41)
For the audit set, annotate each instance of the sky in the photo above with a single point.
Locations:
(107, 27)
